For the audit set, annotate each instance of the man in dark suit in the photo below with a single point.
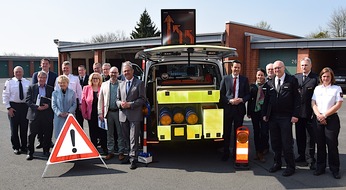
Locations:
(130, 99)
(45, 65)
(307, 81)
(281, 109)
(83, 81)
(234, 92)
(40, 114)
(51, 77)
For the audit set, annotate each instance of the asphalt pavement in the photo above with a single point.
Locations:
(191, 165)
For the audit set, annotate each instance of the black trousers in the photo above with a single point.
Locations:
(19, 123)
(96, 132)
(43, 124)
(79, 116)
(260, 131)
(302, 126)
(232, 118)
(282, 140)
(328, 135)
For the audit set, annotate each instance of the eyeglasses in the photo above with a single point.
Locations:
(95, 78)
(115, 72)
(277, 68)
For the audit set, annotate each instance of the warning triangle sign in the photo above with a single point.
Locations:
(72, 144)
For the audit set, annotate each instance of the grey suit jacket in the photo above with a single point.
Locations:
(136, 97)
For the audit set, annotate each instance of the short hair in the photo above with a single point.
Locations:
(306, 59)
(63, 78)
(42, 74)
(127, 63)
(45, 59)
(98, 75)
(97, 63)
(106, 64)
(66, 63)
(82, 66)
(262, 70)
(327, 70)
(235, 61)
(18, 67)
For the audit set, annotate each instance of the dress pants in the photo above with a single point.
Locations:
(328, 135)
(131, 130)
(19, 123)
(114, 133)
(96, 132)
(302, 126)
(282, 140)
(231, 116)
(40, 124)
(79, 116)
(260, 131)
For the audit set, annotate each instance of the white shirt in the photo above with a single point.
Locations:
(73, 85)
(327, 96)
(11, 91)
(282, 79)
(236, 86)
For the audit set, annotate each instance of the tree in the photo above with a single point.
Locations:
(337, 24)
(109, 37)
(263, 25)
(145, 28)
(321, 33)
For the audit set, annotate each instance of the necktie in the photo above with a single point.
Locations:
(234, 86)
(304, 77)
(278, 87)
(128, 86)
(81, 81)
(21, 93)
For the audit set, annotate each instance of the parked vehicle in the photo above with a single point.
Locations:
(182, 84)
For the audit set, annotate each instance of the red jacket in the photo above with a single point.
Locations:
(87, 101)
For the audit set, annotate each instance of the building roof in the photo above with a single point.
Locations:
(311, 43)
(26, 58)
(140, 43)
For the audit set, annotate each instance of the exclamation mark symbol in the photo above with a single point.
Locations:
(72, 133)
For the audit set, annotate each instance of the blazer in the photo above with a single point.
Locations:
(226, 92)
(136, 97)
(51, 78)
(285, 102)
(87, 101)
(306, 90)
(31, 98)
(57, 104)
(104, 97)
(85, 81)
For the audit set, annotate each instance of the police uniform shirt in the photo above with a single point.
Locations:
(73, 85)
(11, 91)
(327, 96)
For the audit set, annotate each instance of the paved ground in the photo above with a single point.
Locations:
(176, 166)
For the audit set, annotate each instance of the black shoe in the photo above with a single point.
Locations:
(29, 157)
(300, 159)
(288, 172)
(24, 151)
(313, 165)
(336, 175)
(39, 145)
(16, 152)
(275, 168)
(133, 165)
(51, 144)
(225, 157)
(319, 172)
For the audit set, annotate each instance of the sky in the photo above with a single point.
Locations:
(29, 27)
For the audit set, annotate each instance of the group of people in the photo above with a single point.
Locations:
(274, 103)
(43, 106)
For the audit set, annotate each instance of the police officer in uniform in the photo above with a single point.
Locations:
(326, 101)
(13, 96)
